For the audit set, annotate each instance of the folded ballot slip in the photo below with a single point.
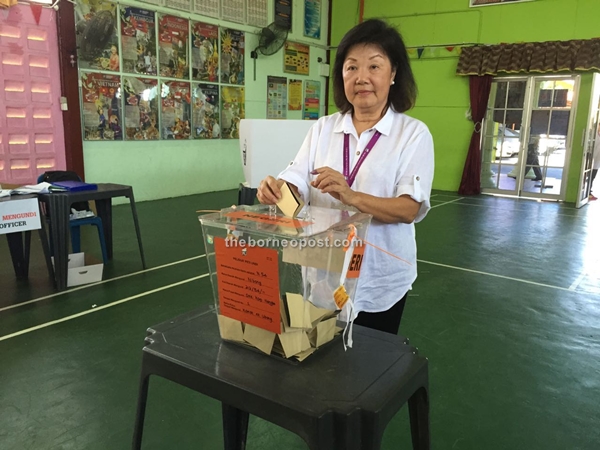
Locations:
(290, 203)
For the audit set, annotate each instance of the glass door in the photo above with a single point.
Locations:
(592, 139)
(502, 143)
(527, 134)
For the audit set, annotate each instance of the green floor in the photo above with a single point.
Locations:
(506, 308)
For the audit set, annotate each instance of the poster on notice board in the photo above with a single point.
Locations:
(141, 109)
(233, 110)
(296, 58)
(312, 103)
(295, 95)
(312, 18)
(276, 97)
(205, 111)
(138, 41)
(101, 106)
(96, 34)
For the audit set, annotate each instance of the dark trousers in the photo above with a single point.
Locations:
(533, 162)
(388, 321)
(594, 172)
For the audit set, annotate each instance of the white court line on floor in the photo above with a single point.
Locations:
(444, 195)
(517, 209)
(99, 282)
(577, 281)
(445, 203)
(143, 294)
(520, 280)
(99, 308)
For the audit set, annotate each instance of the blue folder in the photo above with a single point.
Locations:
(75, 186)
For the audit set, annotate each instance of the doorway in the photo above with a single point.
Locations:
(527, 135)
(592, 137)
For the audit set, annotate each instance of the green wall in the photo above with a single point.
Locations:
(443, 96)
(162, 169)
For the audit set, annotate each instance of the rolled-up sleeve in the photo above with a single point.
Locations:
(415, 175)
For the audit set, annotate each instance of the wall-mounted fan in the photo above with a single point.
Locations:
(272, 37)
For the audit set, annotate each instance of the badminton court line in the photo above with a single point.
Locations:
(99, 282)
(99, 308)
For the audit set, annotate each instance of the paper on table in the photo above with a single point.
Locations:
(40, 188)
(261, 339)
(294, 342)
(231, 329)
(323, 332)
(298, 311)
(305, 354)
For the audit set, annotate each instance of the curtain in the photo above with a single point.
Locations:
(480, 87)
(530, 57)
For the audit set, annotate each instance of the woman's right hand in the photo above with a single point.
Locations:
(269, 191)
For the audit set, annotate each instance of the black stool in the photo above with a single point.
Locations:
(334, 400)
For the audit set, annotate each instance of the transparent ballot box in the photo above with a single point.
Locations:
(284, 286)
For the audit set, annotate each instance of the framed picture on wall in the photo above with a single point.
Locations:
(312, 18)
(97, 41)
(141, 109)
(101, 106)
(474, 3)
(296, 58)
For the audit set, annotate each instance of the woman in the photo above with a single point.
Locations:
(373, 86)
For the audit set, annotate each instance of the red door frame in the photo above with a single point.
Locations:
(69, 82)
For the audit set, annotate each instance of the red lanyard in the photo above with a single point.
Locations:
(351, 176)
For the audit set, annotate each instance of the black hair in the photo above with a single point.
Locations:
(403, 92)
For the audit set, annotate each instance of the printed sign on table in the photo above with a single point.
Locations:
(20, 215)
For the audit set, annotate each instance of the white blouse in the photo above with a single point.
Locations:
(400, 163)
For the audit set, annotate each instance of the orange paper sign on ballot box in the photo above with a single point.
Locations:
(274, 278)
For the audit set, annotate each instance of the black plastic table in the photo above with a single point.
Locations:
(58, 206)
(334, 400)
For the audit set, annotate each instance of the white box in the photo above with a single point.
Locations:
(78, 273)
(268, 146)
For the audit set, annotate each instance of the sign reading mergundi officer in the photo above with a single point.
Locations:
(19, 215)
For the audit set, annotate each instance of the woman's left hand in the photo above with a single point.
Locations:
(332, 182)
